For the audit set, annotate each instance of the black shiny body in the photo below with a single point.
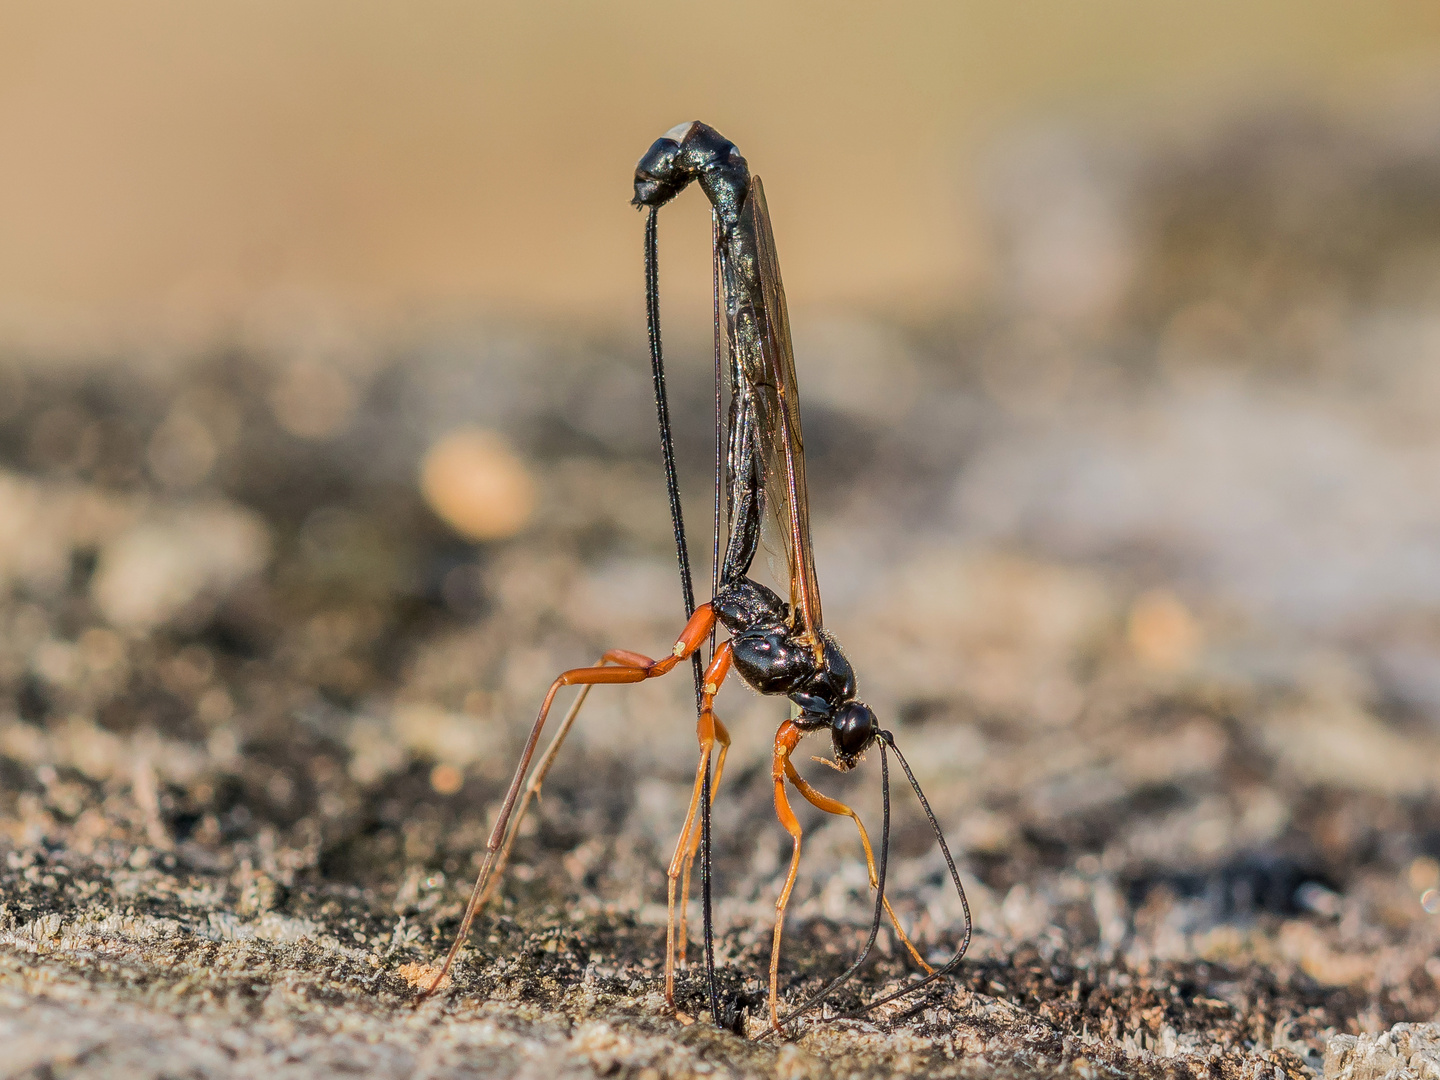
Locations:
(775, 650)
(702, 154)
(772, 657)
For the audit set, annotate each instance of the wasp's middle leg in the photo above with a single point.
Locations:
(709, 730)
(682, 939)
(786, 739)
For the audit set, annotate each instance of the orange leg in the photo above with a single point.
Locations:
(629, 667)
(619, 657)
(786, 739)
(708, 729)
(723, 738)
(834, 806)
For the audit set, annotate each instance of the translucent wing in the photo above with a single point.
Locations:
(783, 448)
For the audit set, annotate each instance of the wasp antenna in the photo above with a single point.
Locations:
(662, 410)
(707, 903)
(849, 973)
(887, 739)
(682, 557)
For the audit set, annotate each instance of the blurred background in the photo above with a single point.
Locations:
(327, 441)
(178, 170)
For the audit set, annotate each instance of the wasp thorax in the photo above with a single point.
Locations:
(852, 729)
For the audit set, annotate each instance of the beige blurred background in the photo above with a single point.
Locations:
(167, 168)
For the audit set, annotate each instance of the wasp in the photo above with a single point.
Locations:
(777, 645)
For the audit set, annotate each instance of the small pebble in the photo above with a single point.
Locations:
(1162, 632)
(477, 485)
(446, 779)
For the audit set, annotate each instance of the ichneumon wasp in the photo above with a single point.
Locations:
(777, 646)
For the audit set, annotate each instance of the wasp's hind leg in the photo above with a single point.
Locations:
(616, 657)
(617, 666)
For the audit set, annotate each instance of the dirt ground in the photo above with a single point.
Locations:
(1137, 556)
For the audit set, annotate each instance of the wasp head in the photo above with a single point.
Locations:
(853, 728)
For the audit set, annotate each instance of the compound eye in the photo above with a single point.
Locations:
(852, 730)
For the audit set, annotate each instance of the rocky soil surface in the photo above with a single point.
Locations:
(1139, 556)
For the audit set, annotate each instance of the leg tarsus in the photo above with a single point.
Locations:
(722, 736)
(706, 733)
(786, 740)
(834, 806)
(707, 729)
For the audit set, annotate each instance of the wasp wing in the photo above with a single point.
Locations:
(782, 445)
